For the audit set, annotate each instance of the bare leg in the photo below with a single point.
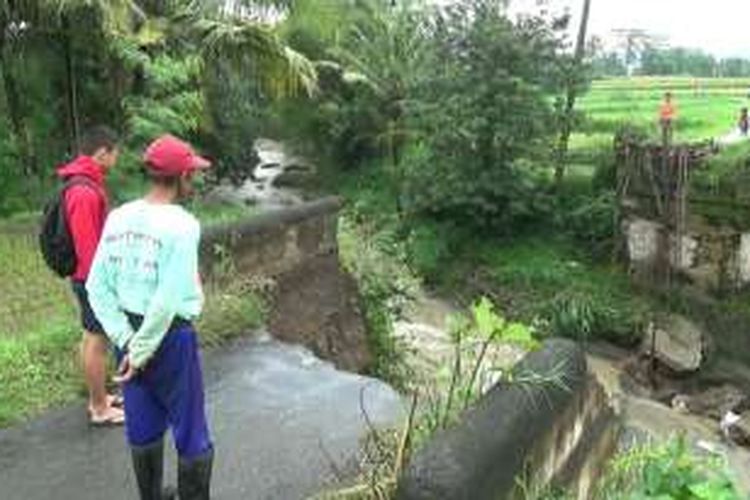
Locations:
(94, 361)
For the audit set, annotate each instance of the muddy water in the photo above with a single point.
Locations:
(645, 419)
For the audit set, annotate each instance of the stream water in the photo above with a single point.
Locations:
(261, 189)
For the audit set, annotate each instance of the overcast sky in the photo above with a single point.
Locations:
(720, 27)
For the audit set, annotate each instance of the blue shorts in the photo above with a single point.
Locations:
(168, 393)
(88, 318)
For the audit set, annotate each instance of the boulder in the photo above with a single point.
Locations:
(294, 179)
(713, 403)
(676, 342)
(737, 429)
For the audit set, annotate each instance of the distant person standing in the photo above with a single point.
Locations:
(744, 122)
(667, 117)
(85, 204)
(145, 289)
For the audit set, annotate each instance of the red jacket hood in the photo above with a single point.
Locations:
(84, 166)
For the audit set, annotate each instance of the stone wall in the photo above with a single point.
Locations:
(713, 258)
(313, 300)
(521, 436)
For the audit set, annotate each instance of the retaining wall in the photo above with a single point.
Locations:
(313, 300)
(713, 258)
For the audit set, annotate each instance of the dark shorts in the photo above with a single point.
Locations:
(88, 318)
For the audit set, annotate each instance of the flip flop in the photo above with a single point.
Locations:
(113, 400)
(111, 418)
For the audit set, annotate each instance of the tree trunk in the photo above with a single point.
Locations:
(71, 87)
(15, 113)
(570, 101)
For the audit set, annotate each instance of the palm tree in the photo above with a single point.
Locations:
(242, 33)
(217, 31)
(387, 47)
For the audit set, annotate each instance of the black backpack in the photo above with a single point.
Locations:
(55, 240)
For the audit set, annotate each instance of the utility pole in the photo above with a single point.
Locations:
(570, 101)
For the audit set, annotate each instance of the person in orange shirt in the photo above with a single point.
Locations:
(667, 116)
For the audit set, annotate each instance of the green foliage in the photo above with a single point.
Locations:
(232, 309)
(143, 68)
(10, 195)
(464, 167)
(172, 101)
(550, 284)
(236, 114)
(374, 257)
(368, 56)
(489, 325)
(473, 336)
(587, 317)
(592, 222)
(668, 471)
(725, 179)
(428, 246)
(677, 61)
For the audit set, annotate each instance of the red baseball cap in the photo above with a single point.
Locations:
(170, 156)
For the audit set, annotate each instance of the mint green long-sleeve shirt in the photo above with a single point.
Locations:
(146, 264)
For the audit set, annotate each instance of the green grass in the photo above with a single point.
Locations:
(549, 282)
(39, 330)
(711, 112)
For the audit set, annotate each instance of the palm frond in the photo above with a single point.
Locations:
(254, 47)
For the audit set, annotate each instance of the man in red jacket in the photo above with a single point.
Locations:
(86, 206)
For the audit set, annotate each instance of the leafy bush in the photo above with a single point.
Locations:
(473, 335)
(466, 170)
(551, 284)
(11, 198)
(668, 471)
(592, 221)
(585, 317)
(172, 101)
(726, 177)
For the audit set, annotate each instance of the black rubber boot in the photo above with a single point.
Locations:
(194, 477)
(148, 464)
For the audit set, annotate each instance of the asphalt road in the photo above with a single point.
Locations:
(282, 421)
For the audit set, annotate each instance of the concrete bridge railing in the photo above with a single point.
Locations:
(521, 436)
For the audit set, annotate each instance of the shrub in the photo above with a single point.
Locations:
(386, 285)
(666, 471)
(592, 221)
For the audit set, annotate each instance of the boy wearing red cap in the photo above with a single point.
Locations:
(145, 289)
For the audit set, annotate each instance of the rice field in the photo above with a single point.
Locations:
(707, 108)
